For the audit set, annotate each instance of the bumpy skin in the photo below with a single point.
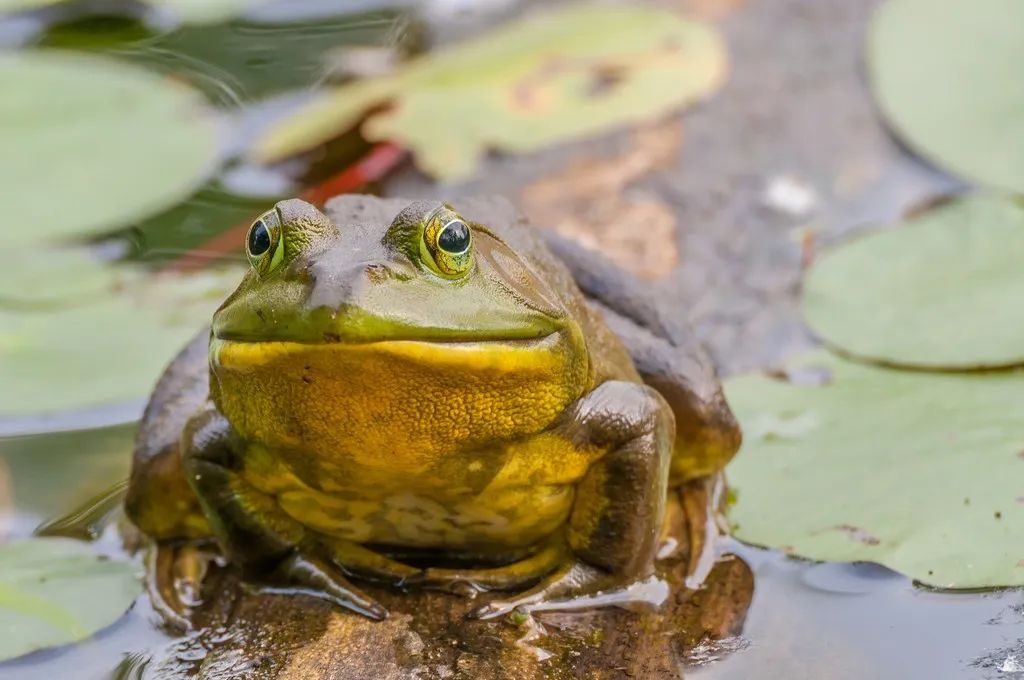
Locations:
(361, 409)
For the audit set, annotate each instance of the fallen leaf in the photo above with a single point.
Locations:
(558, 74)
(591, 201)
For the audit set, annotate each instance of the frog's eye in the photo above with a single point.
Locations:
(263, 242)
(448, 242)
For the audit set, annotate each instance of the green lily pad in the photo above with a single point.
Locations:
(46, 278)
(105, 352)
(557, 75)
(947, 78)
(49, 475)
(54, 591)
(191, 11)
(921, 472)
(942, 291)
(91, 144)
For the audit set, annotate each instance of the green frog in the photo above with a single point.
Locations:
(426, 395)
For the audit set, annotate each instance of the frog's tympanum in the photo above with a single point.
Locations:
(427, 395)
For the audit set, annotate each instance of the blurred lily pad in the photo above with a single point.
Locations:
(54, 277)
(110, 350)
(943, 290)
(918, 471)
(192, 11)
(91, 144)
(559, 74)
(54, 591)
(947, 77)
(50, 475)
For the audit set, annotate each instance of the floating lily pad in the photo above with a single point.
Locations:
(947, 77)
(918, 471)
(192, 11)
(44, 278)
(54, 591)
(51, 474)
(105, 352)
(91, 144)
(557, 75)
(942, 291)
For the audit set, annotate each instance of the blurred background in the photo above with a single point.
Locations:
(785, 174)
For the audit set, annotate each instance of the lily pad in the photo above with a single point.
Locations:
(947, 78)
(918, 471)
(50, 475)
(46, 278)
(557, 75)
(105, 352)
(54, 591)
(191, 11)
(91, 144)
(942, 291)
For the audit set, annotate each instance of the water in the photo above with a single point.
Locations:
(857, 621)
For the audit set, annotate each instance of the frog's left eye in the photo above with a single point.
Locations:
(263, 242)
(448, 242)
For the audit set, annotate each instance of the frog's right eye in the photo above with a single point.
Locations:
(263, 244)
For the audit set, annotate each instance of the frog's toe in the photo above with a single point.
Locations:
(174, 580)
(470, 582)
(559, 590)
(580, 586)
(319, 578)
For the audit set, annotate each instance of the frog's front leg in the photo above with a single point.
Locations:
(251, 528)
(616, 519)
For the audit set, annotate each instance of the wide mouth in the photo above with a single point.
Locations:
(432, 336)
(506, 352)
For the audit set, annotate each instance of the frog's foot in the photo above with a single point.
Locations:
(365, 563)
(318, 577)
(575, 586)
(175, 573)
(469, 582)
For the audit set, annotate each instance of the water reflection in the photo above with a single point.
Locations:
(858, 621)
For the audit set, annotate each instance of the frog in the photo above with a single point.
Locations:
(425, 394)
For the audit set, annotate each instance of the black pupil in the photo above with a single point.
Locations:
(259, 239)
(454, 238)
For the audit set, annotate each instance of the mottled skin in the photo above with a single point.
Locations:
(368, 404)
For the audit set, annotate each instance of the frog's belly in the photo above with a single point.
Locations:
(510, 496)
(511, 518)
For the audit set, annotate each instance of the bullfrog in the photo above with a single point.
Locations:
(426, 394)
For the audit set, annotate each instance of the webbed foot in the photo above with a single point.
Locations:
(470, 582)
(175, 573)
(318, 577)
(577, 586)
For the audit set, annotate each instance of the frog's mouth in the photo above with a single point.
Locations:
(503, 355)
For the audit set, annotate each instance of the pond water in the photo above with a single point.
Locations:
(807, 620)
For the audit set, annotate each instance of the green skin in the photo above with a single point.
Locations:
(382, 467)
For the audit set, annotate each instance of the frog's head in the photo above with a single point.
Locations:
(432, 314)
(429, 275)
